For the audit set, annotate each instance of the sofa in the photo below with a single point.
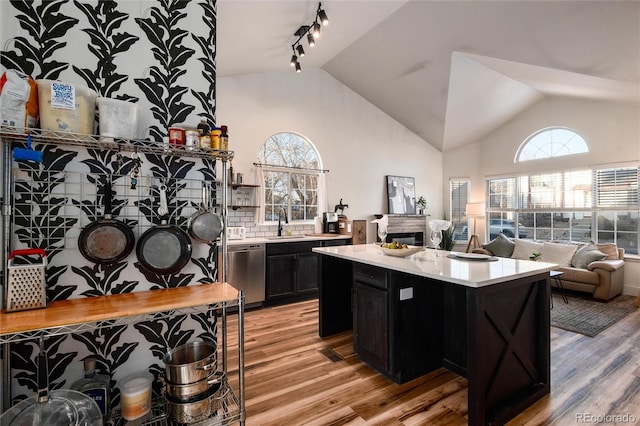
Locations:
(593, 268)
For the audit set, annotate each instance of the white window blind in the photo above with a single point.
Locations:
(617, 188)
(459, 190)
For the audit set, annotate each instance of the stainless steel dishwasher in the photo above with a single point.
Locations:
(247, 271)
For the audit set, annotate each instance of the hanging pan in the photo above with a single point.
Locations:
(164, 249)
(204, 225)
(106, 240)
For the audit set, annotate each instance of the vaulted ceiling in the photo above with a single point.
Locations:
(450, 71)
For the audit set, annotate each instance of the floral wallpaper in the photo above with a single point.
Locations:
(161, 55)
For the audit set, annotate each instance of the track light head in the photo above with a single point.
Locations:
(300, 50)
(311, 40)
(294, 60)
(298, 67)
(316, 30)
(323, 16)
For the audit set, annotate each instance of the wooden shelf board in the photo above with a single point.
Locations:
(91, 309)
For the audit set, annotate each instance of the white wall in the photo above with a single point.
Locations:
(611, 130)
(357, 142)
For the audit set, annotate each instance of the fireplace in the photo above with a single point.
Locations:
(406, 228)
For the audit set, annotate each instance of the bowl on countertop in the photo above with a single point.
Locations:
(401, 252)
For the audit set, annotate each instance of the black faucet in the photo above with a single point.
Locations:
(280, 222)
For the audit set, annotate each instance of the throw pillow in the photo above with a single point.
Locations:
(585, 255)
(501, 246)
(524, 249)
(610, 249)
(558, 253)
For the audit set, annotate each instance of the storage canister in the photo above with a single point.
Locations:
(215, 138)
(66, 107)
(176, 135)
(135, 395)
(205, 141)
(192, 138)
(118, 118)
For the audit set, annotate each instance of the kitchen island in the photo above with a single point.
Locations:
(487, 320)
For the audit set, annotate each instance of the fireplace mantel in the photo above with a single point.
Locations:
(402, 223)
(406, 228)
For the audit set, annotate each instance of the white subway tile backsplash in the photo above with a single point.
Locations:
(247, 217)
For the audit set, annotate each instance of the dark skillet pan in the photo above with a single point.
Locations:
(106, 240)
(164, 249)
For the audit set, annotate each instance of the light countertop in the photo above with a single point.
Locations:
(470, 273)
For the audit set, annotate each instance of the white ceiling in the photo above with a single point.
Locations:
(450, 71)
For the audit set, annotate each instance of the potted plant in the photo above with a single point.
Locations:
(448, 239)
(421, 203)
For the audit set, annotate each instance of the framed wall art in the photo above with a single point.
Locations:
(401, 195)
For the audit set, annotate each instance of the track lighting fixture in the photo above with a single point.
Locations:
(312, 32)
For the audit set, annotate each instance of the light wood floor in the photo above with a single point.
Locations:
(293, 377)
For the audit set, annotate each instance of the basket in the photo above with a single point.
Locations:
(27, 287)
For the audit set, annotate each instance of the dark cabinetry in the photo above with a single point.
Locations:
(371, 315)
(397, 322)
(293, 270)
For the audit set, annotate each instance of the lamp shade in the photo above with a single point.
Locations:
(475, 209)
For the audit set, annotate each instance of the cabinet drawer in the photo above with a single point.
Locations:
(333, 243)
(371, 275)
(292, 247)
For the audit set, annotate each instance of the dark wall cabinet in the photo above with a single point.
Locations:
(397, 322)
(293, 270)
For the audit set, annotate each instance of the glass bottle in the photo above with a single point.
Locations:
(97, 386)
(203, 127)
(224, 138)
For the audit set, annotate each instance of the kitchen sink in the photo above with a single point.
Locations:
(284, 237)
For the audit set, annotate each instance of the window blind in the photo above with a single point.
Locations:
(617, 188)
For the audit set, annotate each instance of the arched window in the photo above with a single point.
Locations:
(291, 178)
(551, 142)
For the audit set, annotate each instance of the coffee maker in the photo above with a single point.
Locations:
(330, 223)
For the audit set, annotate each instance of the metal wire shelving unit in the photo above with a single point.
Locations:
(130, 308)
(232, 404)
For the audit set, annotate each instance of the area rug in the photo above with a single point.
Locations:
(587, 316)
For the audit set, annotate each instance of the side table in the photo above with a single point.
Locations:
(555, 275)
